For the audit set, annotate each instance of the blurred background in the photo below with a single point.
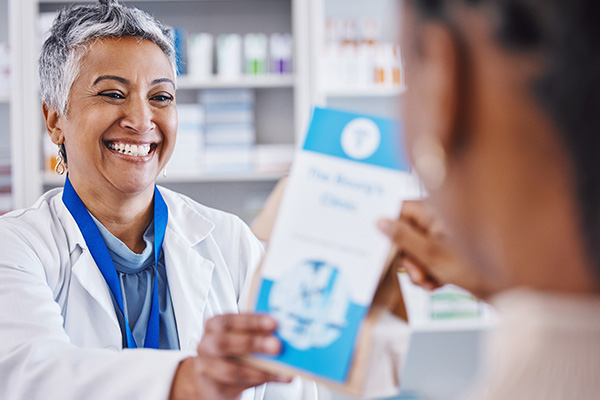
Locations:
(250, 72)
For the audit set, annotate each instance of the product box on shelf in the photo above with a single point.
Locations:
(229, 133)
(190, 138)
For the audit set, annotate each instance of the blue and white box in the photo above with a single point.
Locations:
(326, 256)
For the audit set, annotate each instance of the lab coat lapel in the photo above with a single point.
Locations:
(90, 278)
(189, 276)
(189, 273)
(85, 270)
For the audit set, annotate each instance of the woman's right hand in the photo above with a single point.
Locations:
(215, 373)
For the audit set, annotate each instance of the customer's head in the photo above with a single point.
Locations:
(108, 90)
(502, 115)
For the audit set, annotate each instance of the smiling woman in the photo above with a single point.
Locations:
(118, 101)
(113, 262)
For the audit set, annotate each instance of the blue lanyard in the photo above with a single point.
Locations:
(102, 257)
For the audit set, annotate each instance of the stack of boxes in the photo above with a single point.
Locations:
(190, 138)
(217, 135)
(229, 135)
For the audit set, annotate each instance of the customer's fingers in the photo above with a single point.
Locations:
(418, 214)
(418, 275)
(409, 240)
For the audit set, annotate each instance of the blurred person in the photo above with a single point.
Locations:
(114, 288)
(501, 124)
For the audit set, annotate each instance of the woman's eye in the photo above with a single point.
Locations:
(162, 97)
(112, 95)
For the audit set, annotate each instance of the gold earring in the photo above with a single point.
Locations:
(430, 162)
(60, 168)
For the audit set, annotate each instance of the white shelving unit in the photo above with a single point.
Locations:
(282, 104)
(253, 82)
(6, 152)
(364, 92)
(377, 99)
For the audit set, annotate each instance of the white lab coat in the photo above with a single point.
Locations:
(59, 334)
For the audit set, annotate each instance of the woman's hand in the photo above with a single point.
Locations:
(215, 373)
(427, 254)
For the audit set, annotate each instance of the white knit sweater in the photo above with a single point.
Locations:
(546, 346)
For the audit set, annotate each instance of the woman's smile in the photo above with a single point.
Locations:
(137, 151)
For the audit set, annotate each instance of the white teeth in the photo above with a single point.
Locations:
(131, 150)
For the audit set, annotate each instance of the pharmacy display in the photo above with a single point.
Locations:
(354, 56)
(446, 308)
(326, 257)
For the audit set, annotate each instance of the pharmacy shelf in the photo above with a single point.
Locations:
(216, 82)
(53, 179)
(364, 92)
(283, 103)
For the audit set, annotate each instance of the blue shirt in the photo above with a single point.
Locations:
(136, 276)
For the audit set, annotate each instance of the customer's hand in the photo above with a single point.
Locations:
(216, 373)
(427, 253)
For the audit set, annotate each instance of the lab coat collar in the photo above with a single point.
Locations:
(184, 221)
(188, 272)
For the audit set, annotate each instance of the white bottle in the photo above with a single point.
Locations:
(255, 52)
(200, 55)
(229, 55)
(281, 53)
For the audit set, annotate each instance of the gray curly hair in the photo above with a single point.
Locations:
(77, 26)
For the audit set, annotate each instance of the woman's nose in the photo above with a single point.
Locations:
(138, 117)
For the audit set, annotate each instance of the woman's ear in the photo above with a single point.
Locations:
(441, 84)
(53, 124)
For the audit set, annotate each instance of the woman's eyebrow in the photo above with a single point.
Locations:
(161, 80)
(113, 77)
